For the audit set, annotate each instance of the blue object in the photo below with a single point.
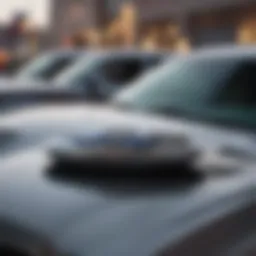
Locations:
(126, 141)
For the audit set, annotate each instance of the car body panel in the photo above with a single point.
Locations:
(79, 119)
(97, 217)
(52, 58)
(79, 218)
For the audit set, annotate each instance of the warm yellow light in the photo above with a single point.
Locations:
(246, 32)
(183, 45)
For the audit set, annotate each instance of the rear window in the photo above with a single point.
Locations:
(155, 61)
(46, 67)
(219, 90)
(122, 71)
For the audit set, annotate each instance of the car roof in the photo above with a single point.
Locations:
(112, 52)
(136, 52)
(66, 52)
(228, 51)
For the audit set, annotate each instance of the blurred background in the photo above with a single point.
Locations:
(28, 27)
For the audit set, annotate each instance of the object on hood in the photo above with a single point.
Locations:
(126, 153)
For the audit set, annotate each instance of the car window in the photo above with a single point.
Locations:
(77, 74)
(46, 67)
(216, 89)
(182, 81)
(240, 90)
(122, 71)
(154, 61)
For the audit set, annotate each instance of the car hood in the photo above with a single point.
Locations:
(98, 218)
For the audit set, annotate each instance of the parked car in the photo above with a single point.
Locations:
(209, 94)
(96, 77)
(53, 204)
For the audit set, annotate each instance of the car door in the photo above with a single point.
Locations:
(16, 100)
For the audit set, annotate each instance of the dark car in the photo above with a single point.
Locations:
(52, 198)
(94, 77)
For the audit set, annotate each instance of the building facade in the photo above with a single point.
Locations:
(73, 16)
(157, 23)
(102, 21)
(197, 22)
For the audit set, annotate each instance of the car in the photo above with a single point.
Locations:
(200, 93)
(95, 77)
(53, 201)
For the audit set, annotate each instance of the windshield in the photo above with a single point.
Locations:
(204, 89)
(76, 74)
(46, 66)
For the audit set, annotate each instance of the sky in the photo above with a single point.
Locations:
(37, 10)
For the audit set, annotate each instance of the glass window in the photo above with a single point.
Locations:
(151, 62)
(240, 90)
(46, 67)
(77, 74)
(215, 89)
(184, 82)
(122, 71)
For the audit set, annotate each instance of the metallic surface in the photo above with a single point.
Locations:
(115, 217)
